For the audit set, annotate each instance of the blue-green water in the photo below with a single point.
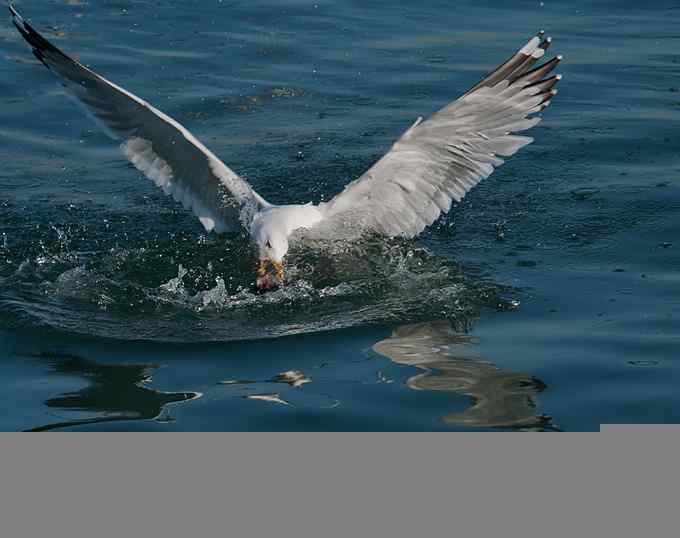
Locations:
(548, 299)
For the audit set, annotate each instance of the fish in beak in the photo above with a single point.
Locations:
(264, 279)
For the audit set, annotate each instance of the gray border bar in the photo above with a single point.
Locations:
(338, 485)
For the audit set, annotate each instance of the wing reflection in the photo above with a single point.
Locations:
(116, 392)
(500, 398)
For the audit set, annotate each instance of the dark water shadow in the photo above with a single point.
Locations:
(450, 363)
(116, 392)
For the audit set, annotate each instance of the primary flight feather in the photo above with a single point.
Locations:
(433, 163)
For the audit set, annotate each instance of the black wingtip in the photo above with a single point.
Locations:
(38, 43)
(536, 74)
(13, 11)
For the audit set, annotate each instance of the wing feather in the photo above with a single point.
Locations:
(155, 144)
(437, 161)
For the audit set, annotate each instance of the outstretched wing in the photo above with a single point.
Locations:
(156, 144)
(441, 159)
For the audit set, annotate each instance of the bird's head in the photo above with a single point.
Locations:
(272, 246)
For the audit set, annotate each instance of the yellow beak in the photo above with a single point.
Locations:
(279, 270)
(278, 267)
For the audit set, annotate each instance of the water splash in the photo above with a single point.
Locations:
(96, 277)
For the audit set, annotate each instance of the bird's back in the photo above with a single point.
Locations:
(288, 218)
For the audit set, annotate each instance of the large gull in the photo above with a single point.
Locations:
(433, 163)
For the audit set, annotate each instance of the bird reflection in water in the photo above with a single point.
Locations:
(500, 398)
(116, 392)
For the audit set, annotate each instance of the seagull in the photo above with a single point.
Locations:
(434, 163)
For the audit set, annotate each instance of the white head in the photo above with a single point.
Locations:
(271, 245)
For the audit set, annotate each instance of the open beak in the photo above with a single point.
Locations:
(262, 273)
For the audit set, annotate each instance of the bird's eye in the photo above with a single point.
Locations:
(268, 244)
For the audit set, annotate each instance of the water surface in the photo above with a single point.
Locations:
(547, 300)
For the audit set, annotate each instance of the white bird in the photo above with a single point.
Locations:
(432, 164)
